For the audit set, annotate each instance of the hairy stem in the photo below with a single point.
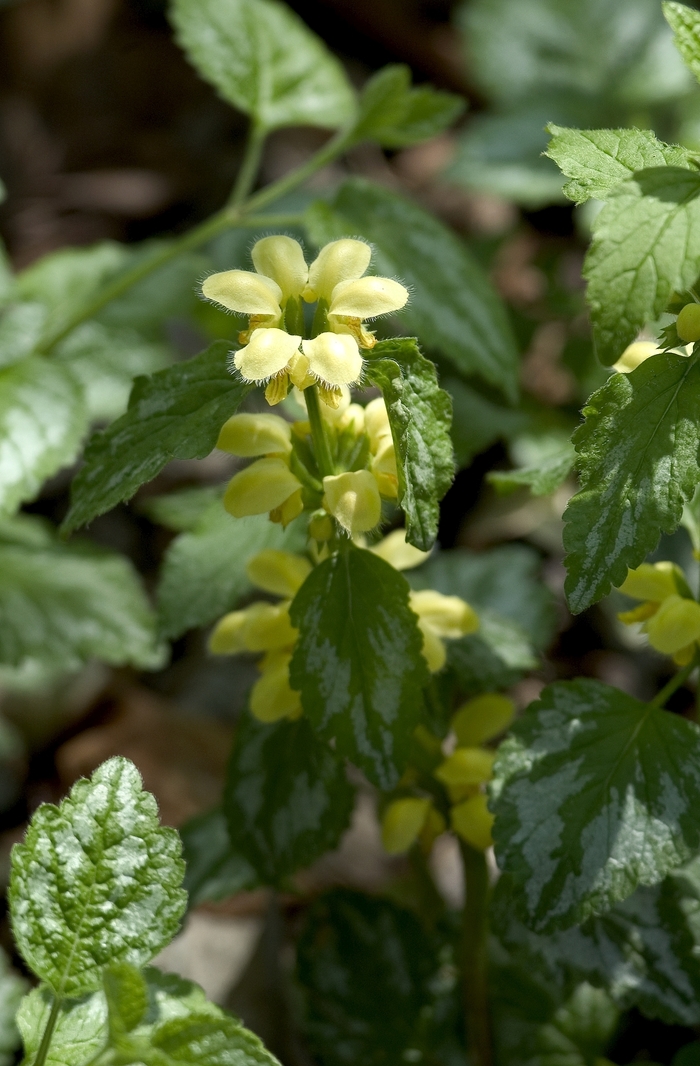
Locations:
(675, 683)
(474, 956)
(250, 165)
(318, 432)
(48, 1033)
(227, 218)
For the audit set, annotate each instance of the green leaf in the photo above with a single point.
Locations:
(204, 1040)
(543, 477)
(261, 58)
(395, 115)
(453, 308)
(596, 161)
(203, 573)
(685, 23)
(80, 1032)
(175, 414)
(61, 605)
(646, 244)
(105, 361)
(688, 1055)
(21, 326)
(638, 463)
(96, 880)
(420, 413)
(358, 662)
(126, 993)
(183, 509)
(213, 870)
(42, 423)
(477, 422)
(287, 799)
(377, 988)
(478, 667)
(11, 990)
(643, 952)
(594, 793)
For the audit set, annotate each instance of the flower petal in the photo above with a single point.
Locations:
(342, 260)
(272, 697)
(675, 625)
(395, 551)
(267, 627)
(268, 352)
(472, 821)
(261, 487)
(367, 298)
(449, 616)
(652, 581)
(282, 259)
(353, 499)
(279, 572)
(402, 822)
(244, 292)
(247, 435)
(333, 358)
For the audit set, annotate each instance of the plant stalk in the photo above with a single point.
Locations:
(227, 218)
(318, 432)
(475, 957)
(250, 165)
(48, 1033)
(679, 679)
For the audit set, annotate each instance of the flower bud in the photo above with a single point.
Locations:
(352, 418)
(377, 423)
(299, 374)
(397, 553)
(367, 298)
(482, 718)
(321, 527)
(448, 616)
(267, 627)
(244, 292)
(262, 486)
(338, 261)
(272, 697)
(433, 651)
(227, 635)
(473, 821)
(333, 358)
(267, 353)
(653, 581)
(402, 822)
(675, 625)
(353, 500)
(384, 469)
(279, 572)
(247, 435)
(466, 766)
(282, 259)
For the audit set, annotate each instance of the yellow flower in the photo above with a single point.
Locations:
(653, 581)
(635, 354)
(482, 718)
(675, 625)
(339, 261)
(441, 617)
(248, 435)
(670, 617)
(473, 821)
(353, 500)
(333, 360)
(272, 697)
(394, 549)
(464, 770)
(260, 627)
(279, 572)
(263, 486)
(383, 466)
(377, 424)
(402, 822)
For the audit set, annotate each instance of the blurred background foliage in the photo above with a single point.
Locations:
(108, 138)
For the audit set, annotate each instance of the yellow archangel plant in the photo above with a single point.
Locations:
(265, 627)
(276, 353)
(669, 614)
(284, 480)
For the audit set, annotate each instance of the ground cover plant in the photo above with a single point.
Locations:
(342, 330)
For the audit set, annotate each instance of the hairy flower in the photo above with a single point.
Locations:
(669, 614)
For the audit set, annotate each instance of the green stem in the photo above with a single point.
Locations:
(48, 1033)
(679, 679)
(225, 219)
(250, 165)
(474, 956)
(318, 432)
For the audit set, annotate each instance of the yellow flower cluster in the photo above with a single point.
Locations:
(275, 353)
(266, 627)
(463, 774)
(669, 614)
(281, 482)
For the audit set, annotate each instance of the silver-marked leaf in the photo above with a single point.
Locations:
(21, 325)
(638, 463)
(80, 1033)
(43, 420)
(287, 798)
(646, 244)
(261, 57)
(594, 793)
(62, 604)
(205, 1040)
(453, 308)
(358, 662)
(420, 413)
(12, 987)
(213, 870)
(96, 880)
(685, 23)
(596, 161)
